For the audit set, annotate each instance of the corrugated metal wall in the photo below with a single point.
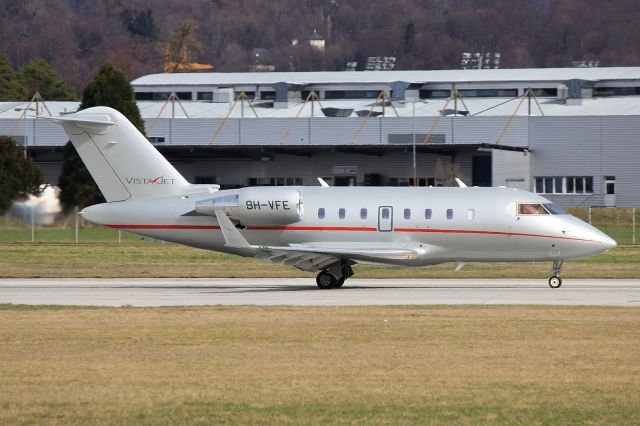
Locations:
(336, 131)
(233, 171)
(588, 146)
(510, 168)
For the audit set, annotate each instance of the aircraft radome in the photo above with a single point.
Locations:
(319, 228)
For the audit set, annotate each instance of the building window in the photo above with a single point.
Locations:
(201, 180)
(435, 94)
(156, 139)
(427, 214)
(363, 213)
(341, 213)
(471, 214)
(407, 213)
(161, 96)
(564, 185)
(205, 96)
(269, 95)
(351, 94)
(488, 93)
(610, 185)
(546, 92)
(321, 213)
(449, 213)
(400, 182)
(616, 91)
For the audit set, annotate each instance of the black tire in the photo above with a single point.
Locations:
(340, 282)
(555, 282)
(325, 280)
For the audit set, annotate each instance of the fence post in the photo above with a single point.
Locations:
(633, 226)
(119, 236)
(589, 215)
(33, 225)
(76, 218)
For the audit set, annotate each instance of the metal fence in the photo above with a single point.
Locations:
(619, 223)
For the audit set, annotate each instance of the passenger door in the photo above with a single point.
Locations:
(385, 218)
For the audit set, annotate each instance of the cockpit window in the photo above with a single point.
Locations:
(531, 209)
(554, 209)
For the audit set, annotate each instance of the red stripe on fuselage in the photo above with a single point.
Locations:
(349, 228)
(470, 231)
(164, 226)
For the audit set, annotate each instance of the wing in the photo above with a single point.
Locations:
(309, 257)
(313, 258)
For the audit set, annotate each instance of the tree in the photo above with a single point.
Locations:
(11, 88)
(39, 76)
(109, 88)
(78, 188)
(19, 176)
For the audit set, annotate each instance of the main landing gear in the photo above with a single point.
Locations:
(334, 276)
(555, 281)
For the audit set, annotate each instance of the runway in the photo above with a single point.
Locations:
(302, 291)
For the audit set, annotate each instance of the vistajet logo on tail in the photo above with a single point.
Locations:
(160, 180)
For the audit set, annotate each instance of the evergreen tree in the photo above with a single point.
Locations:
(39, 76)
(78, 188)
(11, 88)
(109, 88)
(19, 176)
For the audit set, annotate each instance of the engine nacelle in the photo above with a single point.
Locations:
(269, 206)
(257, 206)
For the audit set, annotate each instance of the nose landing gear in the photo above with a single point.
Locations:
(555, 281)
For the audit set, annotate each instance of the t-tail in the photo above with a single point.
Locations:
(120, 159)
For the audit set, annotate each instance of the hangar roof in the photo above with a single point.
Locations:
(414, 76)
(481, 107)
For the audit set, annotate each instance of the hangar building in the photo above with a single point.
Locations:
(568, 133)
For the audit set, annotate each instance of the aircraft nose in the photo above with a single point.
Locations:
(607, 242)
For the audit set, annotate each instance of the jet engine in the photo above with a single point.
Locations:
(257, 206)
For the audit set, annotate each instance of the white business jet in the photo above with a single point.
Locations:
(319, 228)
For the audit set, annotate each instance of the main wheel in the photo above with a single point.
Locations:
(555, 282)
(325, 280)
(339, 282)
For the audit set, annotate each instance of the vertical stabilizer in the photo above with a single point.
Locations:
(120, 159)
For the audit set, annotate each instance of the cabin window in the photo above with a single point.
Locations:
(321, 213)
(427, 213)
(531, 209)
(449, 213)
(471, 214)
(341, 213)
(363, 213)
(407, 213)
(385, 213)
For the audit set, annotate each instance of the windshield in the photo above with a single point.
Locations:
(554, 209)
(531, 208)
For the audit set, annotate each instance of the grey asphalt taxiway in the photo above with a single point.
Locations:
(302, 291)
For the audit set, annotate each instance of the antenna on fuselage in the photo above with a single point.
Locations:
(461, 184)
(323, 183)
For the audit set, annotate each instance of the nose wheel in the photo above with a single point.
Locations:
(555, 281)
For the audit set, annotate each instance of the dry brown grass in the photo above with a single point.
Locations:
(385, 365)
(66, 260)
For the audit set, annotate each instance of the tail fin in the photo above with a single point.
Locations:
(120, 159)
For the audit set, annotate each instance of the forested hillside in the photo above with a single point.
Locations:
(77, 36)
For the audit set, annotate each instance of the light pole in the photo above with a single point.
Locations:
(25, 126)
(413, 133)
